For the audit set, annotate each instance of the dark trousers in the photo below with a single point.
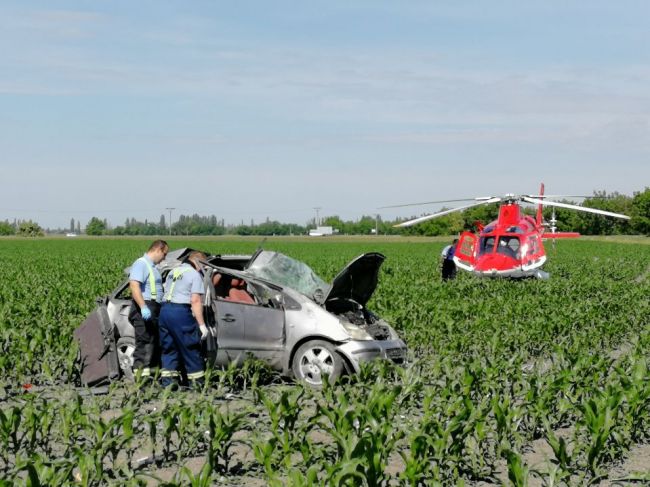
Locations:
(147, 345)
(180, 341)
(448, 269)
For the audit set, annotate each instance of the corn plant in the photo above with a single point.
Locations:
(289, 435)
(362, 429)
(222, 427)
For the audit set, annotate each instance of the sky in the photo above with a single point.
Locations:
(255, 110)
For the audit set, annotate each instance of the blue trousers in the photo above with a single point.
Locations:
(180, 341)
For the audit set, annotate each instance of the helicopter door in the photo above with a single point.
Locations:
(534, 255)
(465, 255)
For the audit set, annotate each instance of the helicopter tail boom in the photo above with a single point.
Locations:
(555, 235)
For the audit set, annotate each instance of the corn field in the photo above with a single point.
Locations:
(508, 382)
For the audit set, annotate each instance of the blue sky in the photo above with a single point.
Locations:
(250, 110)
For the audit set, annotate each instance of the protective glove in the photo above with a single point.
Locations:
(146, 313)
(204, 331)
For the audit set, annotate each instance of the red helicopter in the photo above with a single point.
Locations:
(511, 246)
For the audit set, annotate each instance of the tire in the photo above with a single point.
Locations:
(314, 358)
(125, 348)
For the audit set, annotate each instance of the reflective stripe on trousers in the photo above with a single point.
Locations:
(196, 375)
(143, 372)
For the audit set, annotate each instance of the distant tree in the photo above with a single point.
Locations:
(78, 227)
(484, 214)
(450, 224)
(641, 212)
(95, 226)
(7, 228)
(335, 222)
(591, 224)
(71, 225)
(30, 229)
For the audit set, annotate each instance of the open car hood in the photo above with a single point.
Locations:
(358, 280)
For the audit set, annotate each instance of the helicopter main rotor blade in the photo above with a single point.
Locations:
(575, 207)
(445, 212)
(544, 196)
(434, 202)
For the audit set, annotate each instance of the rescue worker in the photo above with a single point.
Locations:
(182, 324)
(146, 287)
(448, 264)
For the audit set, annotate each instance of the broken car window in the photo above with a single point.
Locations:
(285, 271)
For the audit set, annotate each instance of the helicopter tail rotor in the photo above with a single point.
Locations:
(540, 207)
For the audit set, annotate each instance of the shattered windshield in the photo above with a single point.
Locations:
(285, 271)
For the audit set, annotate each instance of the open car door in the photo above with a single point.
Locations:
(97, 349)
(465, 254)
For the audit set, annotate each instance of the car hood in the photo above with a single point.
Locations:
(358, 280)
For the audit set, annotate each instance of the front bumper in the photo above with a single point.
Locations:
(357, 351)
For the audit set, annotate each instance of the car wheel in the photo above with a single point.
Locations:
(125, 348)
(314, 359)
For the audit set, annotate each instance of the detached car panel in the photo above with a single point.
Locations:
(267, 306)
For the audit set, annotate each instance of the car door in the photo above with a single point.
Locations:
(248, 329)
(231, 332)
(264, 333)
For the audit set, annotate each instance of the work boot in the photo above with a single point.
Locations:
(197, 385)
(170, 382)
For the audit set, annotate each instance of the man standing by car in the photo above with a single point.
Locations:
(145, 283)
(182, 324)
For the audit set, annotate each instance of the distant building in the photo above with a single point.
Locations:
(69, 234)
(321, 231)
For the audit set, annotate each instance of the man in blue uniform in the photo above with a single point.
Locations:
(147, 292)
(182, 325)
(448, 264)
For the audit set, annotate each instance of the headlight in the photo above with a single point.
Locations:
(355, 332)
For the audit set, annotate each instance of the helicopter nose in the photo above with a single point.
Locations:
(499, 262)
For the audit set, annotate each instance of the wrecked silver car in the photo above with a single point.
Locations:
(267, 306)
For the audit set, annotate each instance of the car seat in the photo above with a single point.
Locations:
(238, 292)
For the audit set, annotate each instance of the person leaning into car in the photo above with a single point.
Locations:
(145, 283)
(182, 324)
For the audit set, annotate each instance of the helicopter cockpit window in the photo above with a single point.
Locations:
(508, 246)
(515, 229)
(488, 229)
(487, 245)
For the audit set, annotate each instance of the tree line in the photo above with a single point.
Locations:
(636, 206)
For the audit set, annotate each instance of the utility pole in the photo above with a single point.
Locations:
(317, 208)
(170, 219)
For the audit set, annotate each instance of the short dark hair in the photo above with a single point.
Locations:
(158, 244)
(194, 258)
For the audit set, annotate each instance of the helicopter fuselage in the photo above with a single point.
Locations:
(510, 246)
